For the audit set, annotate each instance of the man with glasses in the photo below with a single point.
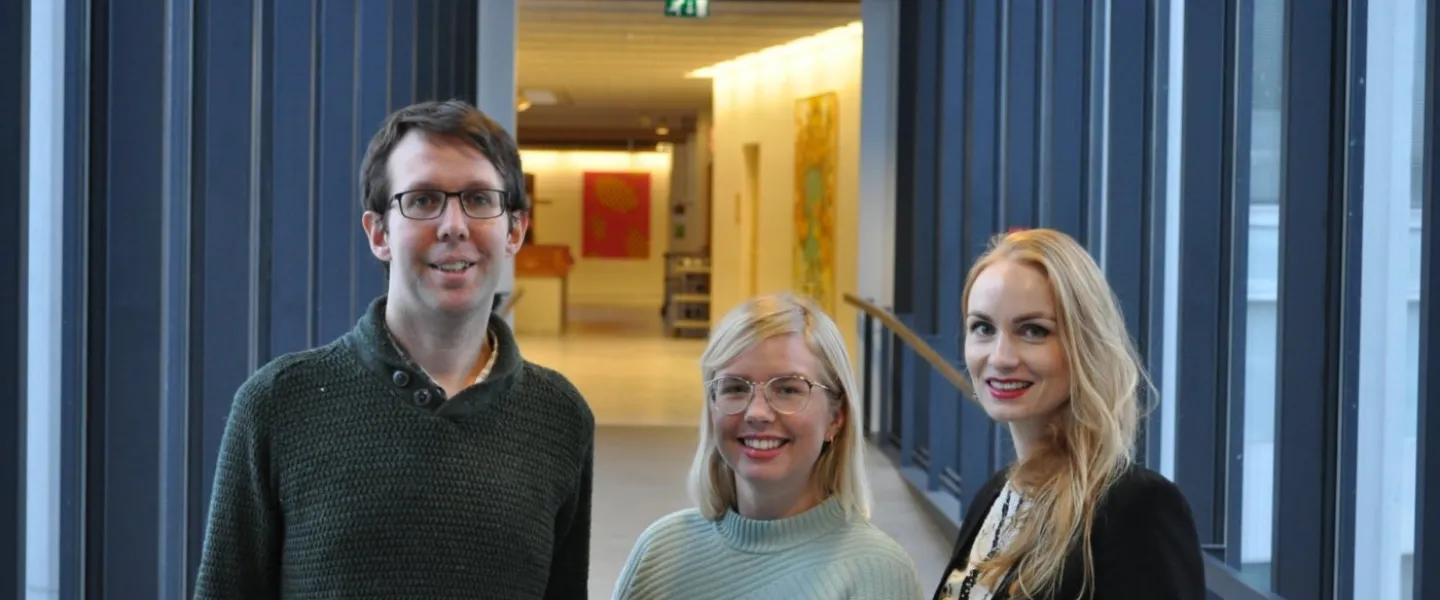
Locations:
(419, 455)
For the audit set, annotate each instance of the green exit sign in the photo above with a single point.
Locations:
(693, 9)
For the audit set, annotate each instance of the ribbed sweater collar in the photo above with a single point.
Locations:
(766, 536)
(377, 351)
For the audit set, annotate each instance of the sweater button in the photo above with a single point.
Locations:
(422, 397)
(401, 378)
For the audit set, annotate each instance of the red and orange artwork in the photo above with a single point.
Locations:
(616, 215)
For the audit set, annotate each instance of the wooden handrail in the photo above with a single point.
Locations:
(509, 304)
(913, 340)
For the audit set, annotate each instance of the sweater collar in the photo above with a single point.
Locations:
(766, 536)
(379, 354)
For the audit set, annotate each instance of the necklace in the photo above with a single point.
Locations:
(969, 583)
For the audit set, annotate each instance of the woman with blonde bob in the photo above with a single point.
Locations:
(782, 509)
(1074, 516)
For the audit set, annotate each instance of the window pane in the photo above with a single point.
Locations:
(1389, 302)
(1262, 276)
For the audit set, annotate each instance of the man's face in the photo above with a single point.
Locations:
(447, 265)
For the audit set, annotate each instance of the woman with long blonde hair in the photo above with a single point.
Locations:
(1074, 516)
(781, 506)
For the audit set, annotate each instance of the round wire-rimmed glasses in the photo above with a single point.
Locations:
(787, 394)
(424, 205)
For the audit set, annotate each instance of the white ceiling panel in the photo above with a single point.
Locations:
(622, 63)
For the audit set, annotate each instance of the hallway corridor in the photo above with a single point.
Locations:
(643, 388)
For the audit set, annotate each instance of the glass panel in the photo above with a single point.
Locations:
(1262, 276)
(1389, 302)
(46, 228)
(1171, 308)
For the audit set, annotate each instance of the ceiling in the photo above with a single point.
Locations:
(617, 67)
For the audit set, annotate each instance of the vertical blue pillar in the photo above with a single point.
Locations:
(14, 148)
(1427, 483)
(1064, 193)
(402, 52)
(289, 160)
(1127, 203)
(427, 50)
(983, 145)
(127, 320)
(372, 98)
(336, 199)
(1313, 218)
(947, 404)
(178, 492)
(978, 454)
(1020, 115)
(226, 221)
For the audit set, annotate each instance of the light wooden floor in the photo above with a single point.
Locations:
(644, 391)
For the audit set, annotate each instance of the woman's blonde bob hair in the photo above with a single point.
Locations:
(1091, 441)
(840, 470)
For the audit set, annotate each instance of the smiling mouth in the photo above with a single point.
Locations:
(458, 266)
(762, 443)
(1008, 385)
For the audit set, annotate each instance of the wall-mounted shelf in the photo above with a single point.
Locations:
(687, 294)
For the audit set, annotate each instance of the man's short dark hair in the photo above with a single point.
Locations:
(453, 118)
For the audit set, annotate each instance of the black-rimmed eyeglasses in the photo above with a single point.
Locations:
(423, 205)
(788, 394)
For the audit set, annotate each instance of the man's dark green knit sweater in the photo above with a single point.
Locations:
(344, 472)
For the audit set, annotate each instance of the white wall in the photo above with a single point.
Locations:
(558, 210)
(754, 103)
(689, 187)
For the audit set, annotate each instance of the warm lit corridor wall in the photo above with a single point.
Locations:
(558, 219)
(753, 215)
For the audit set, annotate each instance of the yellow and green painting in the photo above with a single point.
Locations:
(816, 141)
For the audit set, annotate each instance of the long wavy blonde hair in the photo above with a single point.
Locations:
(1091, 441)
(840, 470)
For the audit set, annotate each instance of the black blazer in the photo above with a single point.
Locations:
(1144, 542)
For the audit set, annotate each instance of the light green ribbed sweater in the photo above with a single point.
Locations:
(816, 555)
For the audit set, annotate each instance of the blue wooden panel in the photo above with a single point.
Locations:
(180, 531)
(950, 223)
(1128, 235)
(290, 161)
(1308, 305)
(1149, 446)
(1342, 487)
(446, 32)
(125, 297)
(372, 104)
(76, 376)
(467, 44)
(905, 73)
(906, 367)
(976, 457)
(1234, 287)
(427, 51)
(923, 168)
(923, 111)
(402, 53)
(226, 205)
(1098, 25)
(14, 40)
(1427, 484)
(982, 200)
(1019, 107)
(1199, 468)
(336, 226)
(1066, 193)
